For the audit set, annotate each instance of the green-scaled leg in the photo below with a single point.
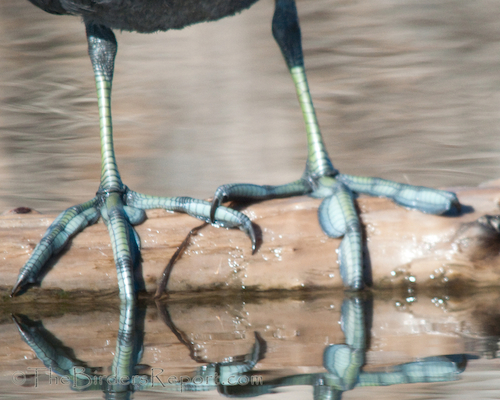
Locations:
(119, 207)
(344, 364)
(337, 214)
(60, 360)
(125, 377)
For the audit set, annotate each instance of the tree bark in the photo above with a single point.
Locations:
(403, 248)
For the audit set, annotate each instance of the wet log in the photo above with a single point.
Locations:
(403, 248)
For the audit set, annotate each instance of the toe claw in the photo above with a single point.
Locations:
(219, 197)
(213, 208)
(16, 288)
(251, 234)
(65, 226)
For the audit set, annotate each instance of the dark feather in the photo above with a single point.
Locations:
(145, 16)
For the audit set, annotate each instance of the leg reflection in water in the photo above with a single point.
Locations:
(343, 363)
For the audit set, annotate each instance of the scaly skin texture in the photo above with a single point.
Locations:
(337, 213)
(127, 376)
(343, 363)
(120, 207)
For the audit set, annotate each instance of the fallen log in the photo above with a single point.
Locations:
(403, 248)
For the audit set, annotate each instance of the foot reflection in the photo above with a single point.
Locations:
(343, 364)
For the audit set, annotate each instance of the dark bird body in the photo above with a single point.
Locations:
(121, 208)
(145, 16)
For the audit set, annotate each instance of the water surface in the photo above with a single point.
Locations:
(406, 90)
(418, 346)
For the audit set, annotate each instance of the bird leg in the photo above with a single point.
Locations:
(120, 207)
(337, 213)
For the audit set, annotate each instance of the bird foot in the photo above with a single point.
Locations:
(337, 213)
(120, 209)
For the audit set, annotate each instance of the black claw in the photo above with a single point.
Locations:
(455, 209)
(17, 287)
(17, 320)
(215, 204)
(254, 241)
(251, 234)
(14, 291)
(220, 197)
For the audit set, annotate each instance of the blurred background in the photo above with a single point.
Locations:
(407, 90)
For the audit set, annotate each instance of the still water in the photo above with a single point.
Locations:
(405, 90)
(321, 346)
